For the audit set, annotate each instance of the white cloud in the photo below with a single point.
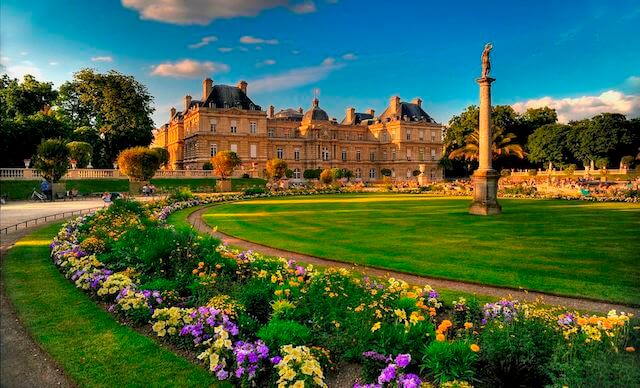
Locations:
(24, 53)
(188, 68)
(295, 52)
(586, 106)
(349, 57)
(53, 63)
(225, 49)
(243, 49)
(199, 11)
(247, 39)
(105, 58)
(203, 42)
(266, 62)
(304, 7)
(20, 70)
(293, 78)
(633, 82)
(328, 61)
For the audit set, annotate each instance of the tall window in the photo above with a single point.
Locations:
(421, 134)
(421, 153)
(271, 132)
(394, 154)
(253, 151)
(344, 154)
(372, 156)
(384, 155)
(433, 136)
(296, 173)
(358, 173)
(213, 124)
(280, 153)
(433, 154)
(384, 136)
(296, 153)
(408, 134)
(213, 150)
(234, 148)
(253, 127)
(408, 153)
(234, 126)
(372, 173)
(325, 153)
(357, 154)
(408, 173)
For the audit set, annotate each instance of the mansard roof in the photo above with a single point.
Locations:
(358, 118)
(289, 114)
(225, 96)
(413, 112)
(315, 113)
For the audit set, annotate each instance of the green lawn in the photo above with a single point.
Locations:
(17, 190)
(92, 347)
(564, 247)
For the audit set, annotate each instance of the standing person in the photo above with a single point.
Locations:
(145, 190)
(46, 189)
(152, 189)
(106, 197)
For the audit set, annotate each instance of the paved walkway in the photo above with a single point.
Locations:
(14, 212)
(195, 219)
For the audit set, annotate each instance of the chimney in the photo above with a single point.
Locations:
(207, 87)
(371, 112)
(417, 101)
(300, 110)
(394, 104)
(351, 113)
(271, 112)
(242, 85)
(187, 102)
(172, 112)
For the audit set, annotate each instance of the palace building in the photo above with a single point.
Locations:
(403, 139)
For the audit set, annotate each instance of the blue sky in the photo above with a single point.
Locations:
(581, 57)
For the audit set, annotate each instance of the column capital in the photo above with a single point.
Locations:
(485, 80)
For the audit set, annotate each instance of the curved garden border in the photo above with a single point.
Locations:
(587, 304)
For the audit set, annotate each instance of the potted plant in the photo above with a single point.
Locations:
(224, 163)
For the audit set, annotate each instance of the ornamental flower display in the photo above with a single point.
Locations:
(298, 368)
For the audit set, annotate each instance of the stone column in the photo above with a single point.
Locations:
(485, 178)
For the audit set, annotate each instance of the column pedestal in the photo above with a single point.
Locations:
(485, 193)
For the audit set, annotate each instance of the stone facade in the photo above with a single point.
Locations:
(404, 138)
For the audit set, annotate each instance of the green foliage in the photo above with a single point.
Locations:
(160, 284)
(602, 163)
(415, 173)
(224, 163)
(532, 172)
(80, 152)
(24, 98)
(517, 353)
(385, 172)
(138, 163)
(627, 160)
(312, 173)
(254, 190)
(52, 159)
(163, 155)
(570, 169)
(326, 177)
(256, 297)
(181, 194)
(550, 143)
(276, 168)
(448, 361)
(394, 338)
(207, 166)
(278, 333)
(117, 104)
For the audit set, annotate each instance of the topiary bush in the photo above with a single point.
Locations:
(139, 163)
(80, 152)
(52, 159)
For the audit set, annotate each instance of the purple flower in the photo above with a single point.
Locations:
(402, 360)
(409, 380)
(387, 374)
(275, 360)
(222, 374)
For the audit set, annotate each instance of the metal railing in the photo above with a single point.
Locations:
(44, 219)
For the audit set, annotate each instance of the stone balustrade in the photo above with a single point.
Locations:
(98, 173)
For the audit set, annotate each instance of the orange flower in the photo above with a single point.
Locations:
(195, 271)
(468, 325)
(446, 323)
(201, 274)
(440, 337)
(630, 349)
(582, 321)
(201, 264)
(475, 348)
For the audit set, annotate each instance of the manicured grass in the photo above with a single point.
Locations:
(565, 247)
(18, 190)
(92, 347)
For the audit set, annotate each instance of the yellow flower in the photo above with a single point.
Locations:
(475, 348)
(298, 384)
(376, 326)
(468, 325)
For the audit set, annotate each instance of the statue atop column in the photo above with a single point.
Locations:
(486, 61)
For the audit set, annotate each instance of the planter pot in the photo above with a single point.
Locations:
(59, 190)
(223, 186)
(135, 188)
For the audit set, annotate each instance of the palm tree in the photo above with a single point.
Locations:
(501, 145)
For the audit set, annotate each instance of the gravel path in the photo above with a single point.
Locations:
(195, 219)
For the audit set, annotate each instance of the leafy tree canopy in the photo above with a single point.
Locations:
(224, 163)
(276, 168)
(139, 163)
(80, 152)
(52, 159)
(24, 98)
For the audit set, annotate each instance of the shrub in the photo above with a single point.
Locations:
(394, 338)
(246, 176)
(385, 172)
(224, 163)
(138, 163)
(207, 166)
(256, 297)
(181, 194)
(289, 173)
(279, 333)
(276, 168)
(160, 284)
(163, 155)
(80, 152)
(517, 353)
(505, 173)
(52, 159)
(416, 173)
(312, 173)
(570, 169)
(532, 172)
(448, 361)
(326, 176)
(254, 191)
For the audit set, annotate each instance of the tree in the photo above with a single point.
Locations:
(163, 155)
(501, 145)
(348, 174)
(608, 135)
(138, 163)
(385, 172)
(25, 98)
(549, 144)
(207, 166)
(532, 119)
(52, 159)
(326, 176)
(337, 173)
(92, 136)
(80, 152)
(116, 104)
(627, 161)
(276, 168)
(224, 163)
(312, 173)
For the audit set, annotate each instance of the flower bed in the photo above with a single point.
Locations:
(261, 321)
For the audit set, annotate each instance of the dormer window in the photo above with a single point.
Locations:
(234, 126)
